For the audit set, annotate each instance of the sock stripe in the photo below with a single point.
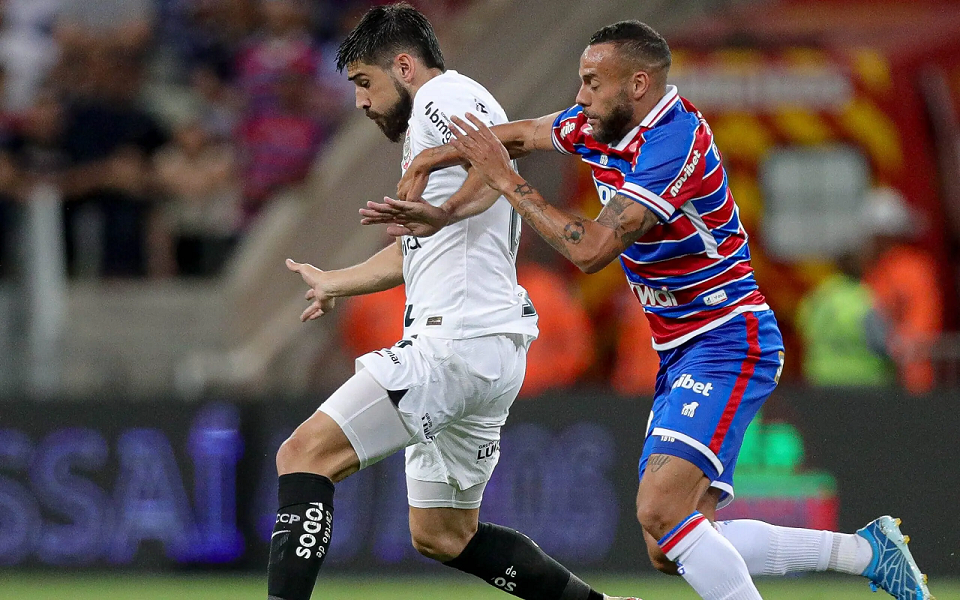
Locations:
(675, 535)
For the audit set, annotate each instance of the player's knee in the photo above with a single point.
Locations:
(657, 514)
(440, 546)
(290, 455)
(660, 561)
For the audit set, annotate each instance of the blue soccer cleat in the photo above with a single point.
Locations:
(892, 568)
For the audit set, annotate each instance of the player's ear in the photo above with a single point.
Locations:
(405, 67)
(640, 83)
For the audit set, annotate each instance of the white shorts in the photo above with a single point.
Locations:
(444, 401)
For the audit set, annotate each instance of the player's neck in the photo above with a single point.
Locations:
(645, 105)
(421, 77)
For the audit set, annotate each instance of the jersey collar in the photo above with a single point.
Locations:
(662, 108)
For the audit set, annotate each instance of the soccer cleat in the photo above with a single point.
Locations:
(606, 597)
(892, 568)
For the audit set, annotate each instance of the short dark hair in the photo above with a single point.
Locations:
(385, 31)
(637, 42)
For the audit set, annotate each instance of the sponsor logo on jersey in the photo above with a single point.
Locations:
(434, 321)
(393, 357)
(488, 450)
(715, 298)
(686, 173)
(687, 382)
(427, 422)
(604, 160)
(605, 191)
(651, 297)
(567, 128)
(409, 244)
(408, 317)
(689, 409)
(481, 107)
(439, 120)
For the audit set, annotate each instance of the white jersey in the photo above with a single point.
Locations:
(461, 282)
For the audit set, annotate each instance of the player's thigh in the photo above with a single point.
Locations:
(355, 427)
(463, 451)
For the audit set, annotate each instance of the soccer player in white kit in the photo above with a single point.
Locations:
(444, 391)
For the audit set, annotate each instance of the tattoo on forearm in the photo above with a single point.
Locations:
(573, 232)
(657, 461)
(532, 207)
(524, 189)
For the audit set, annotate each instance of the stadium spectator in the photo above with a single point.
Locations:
(565, 348)
(108, 139)
(283, 45)
(842, 334)
(197, 227)
(27, 50)
(30, 151)
(903, 279)
(278, 146)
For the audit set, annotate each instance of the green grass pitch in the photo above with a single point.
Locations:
(107, 586)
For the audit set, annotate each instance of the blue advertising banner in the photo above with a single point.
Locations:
(163, 485)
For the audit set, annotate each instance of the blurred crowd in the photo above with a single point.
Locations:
(165, 125)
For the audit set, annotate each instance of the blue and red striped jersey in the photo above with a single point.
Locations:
(692, 271)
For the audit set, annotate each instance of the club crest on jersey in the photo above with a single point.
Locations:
(407, 152)
(686, 173)
(652, 297)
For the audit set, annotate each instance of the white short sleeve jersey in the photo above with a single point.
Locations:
(462, 281)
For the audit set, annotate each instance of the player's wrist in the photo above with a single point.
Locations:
(510, 182)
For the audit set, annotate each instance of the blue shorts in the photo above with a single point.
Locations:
(709, 389)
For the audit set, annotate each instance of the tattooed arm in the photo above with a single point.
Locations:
(591, 245)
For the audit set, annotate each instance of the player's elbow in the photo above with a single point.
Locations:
(593, 262)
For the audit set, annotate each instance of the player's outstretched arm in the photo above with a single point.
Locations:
(382, 271)
(591, 245)
(421, 219)
(519, 137)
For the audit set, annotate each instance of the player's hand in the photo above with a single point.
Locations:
(484, 151)
(320, 301)
(416, 218)
(414, 181)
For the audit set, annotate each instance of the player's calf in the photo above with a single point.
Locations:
(442, 533)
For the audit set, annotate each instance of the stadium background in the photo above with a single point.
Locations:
(160, 158)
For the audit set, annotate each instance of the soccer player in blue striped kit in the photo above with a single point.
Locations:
(669, 216)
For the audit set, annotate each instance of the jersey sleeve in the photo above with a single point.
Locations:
(669, 169)
(568, 133)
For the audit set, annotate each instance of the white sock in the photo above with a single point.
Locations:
(708, 562)
(772, 550)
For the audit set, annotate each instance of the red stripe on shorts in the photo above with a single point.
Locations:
(746, 372)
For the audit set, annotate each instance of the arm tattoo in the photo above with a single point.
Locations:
(573, 231)
(657, 461)
(524, 189)
(611, 217)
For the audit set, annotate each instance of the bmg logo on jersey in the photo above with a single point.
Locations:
(687, 382)
(651, 297)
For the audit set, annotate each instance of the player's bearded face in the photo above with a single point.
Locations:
(393, 120)
(613, 124)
